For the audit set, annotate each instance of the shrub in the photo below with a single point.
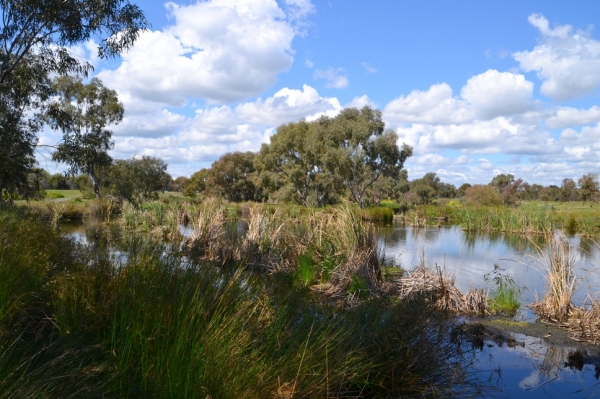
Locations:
(480, 195)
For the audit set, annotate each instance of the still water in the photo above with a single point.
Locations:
(534, 370)
(469, 256)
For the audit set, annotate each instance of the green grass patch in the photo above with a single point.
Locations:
(70, 194)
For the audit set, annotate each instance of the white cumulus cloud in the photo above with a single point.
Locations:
(567, 61)
(287, 105)
(562, 117)
(483, 97)
(219, 50)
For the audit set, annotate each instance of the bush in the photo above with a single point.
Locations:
(480, 195)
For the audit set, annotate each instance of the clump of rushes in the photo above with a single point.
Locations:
(505, 297)
(559, 259)
(34, 361)
(342, 238)
(208, 236)
(436, 287)
(379, 214)
(264, 246)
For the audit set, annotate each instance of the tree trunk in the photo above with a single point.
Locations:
(95, 183)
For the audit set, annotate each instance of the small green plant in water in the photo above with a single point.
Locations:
(358, 287)
(305, 273)
(505, 297)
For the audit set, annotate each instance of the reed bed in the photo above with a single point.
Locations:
(525, 219)
(345, 248)
(438, 287)
(586, 223)
(266, 243)
(584, 325)
(208, 236)
(383, 214)
(150, 322)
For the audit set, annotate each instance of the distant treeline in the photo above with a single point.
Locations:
(350, 157)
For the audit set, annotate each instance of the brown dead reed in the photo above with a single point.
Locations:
(341, 239)
(559, 260)
(437, 286)
(584, 325)
(265, 245)
(208, 237)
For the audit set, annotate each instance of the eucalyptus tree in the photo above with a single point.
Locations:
(35, 36)
(197, 183)
(360, 150)
(588, 186)
(21, 98)
(46, 29)
(233, 176)
(568, 190)
(138, 179)
(294, 160)
(83, 112)
(499, 182)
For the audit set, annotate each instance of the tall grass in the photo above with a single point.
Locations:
(379, 214)
(526, 219)
(150, 322)
(504, 299)
(346, 249)
(266, 244)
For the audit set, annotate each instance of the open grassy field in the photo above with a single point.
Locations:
(70, 194)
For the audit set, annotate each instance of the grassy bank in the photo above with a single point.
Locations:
(525, 219)
(156, 320)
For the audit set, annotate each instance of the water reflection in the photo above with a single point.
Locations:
(537, 370)
(470, 256)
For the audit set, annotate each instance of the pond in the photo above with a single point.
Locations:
(469, 256)
(534, 368)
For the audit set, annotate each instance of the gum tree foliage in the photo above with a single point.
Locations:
(550, 193)
(138, 179)
(197, 183)
(45, 29)
(360, 150)
(233, 177)
(568, 190)
(293, 162)
(462, 189)
(440, 189)
(480, 195)
(500, 181)
(34, 40)
(21, 96)
(512, 193)
(588, 186)
(179, 183)
(83, 112)
(316, 161)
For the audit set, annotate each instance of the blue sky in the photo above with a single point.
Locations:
(477, 88)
